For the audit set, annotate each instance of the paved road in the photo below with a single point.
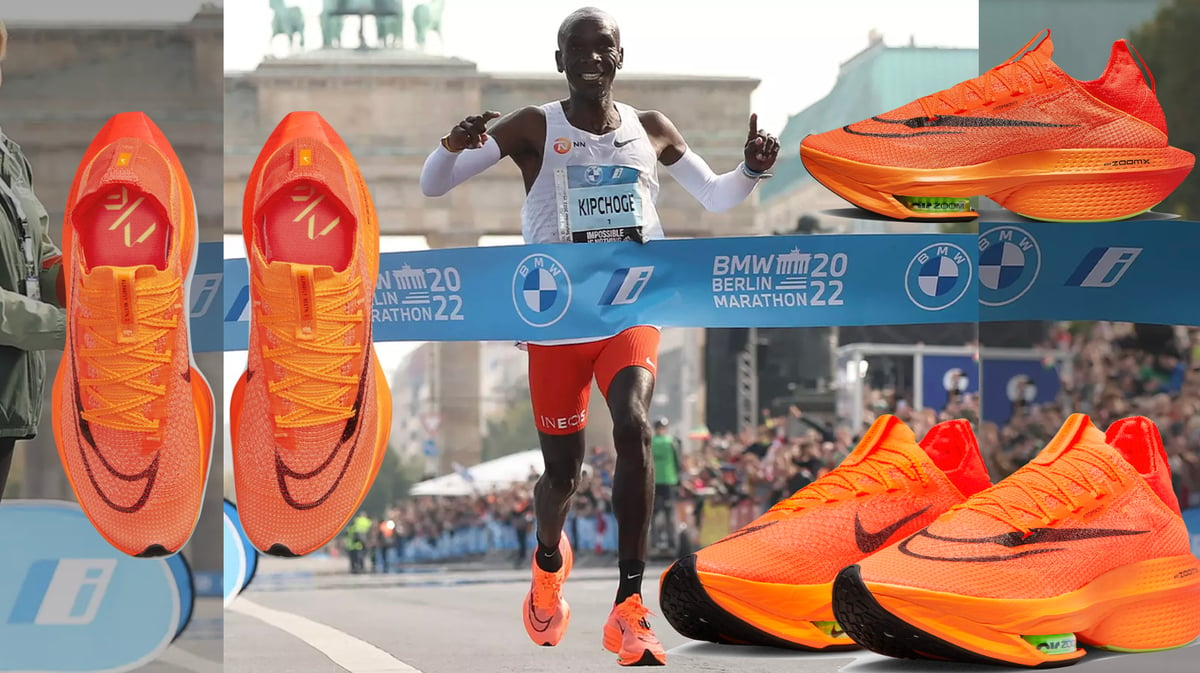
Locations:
(199, 649)
(456, 621)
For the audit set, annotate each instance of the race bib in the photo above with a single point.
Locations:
(598, 204)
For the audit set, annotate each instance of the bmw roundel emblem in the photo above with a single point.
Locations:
(541, 290)
(938, 276)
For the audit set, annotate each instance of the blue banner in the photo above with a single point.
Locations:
(205, 296)
(1125, 271)
(1010, 382)
(945, 372)
(542, 292)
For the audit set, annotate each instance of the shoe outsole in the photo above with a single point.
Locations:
(873, 627)
(693, 614)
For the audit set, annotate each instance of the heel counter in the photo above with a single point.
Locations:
(1123, 86)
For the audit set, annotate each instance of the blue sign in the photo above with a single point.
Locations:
(205, 296)
(429, 448)
(556, 291)
(1130, 272)
(945, 372)
(1010, 382)
(241, 558)
(1191, 518)
(70, 602)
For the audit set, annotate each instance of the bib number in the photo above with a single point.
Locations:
(598, 204)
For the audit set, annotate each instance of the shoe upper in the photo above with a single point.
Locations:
(128, 429)
(1079, 509)
(887, 487)
(309, 417)
(1026, 104)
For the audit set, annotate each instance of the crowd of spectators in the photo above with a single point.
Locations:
(1110, 374)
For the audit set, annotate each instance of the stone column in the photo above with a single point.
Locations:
(457, 384)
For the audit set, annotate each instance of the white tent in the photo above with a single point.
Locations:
(485, 477)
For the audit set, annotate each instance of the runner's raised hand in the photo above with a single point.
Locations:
(762, 148)
(470, 133)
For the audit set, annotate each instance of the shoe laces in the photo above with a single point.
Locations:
(846, 481)
(547, 590)
(315, 380)
(125, 355)
(1047, 496)
(957, 99)
(634, 613)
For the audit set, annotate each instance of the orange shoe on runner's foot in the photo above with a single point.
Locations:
(311, 415)
(628, 635)
(771, 583)
(1085, 543)
(545, 611)
(131, 413)
(1025, 134)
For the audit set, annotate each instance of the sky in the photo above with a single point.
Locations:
(792, 46)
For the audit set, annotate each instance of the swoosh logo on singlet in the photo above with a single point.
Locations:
(83, 434)
(617, 143)
(869, 542)
(1013, 540)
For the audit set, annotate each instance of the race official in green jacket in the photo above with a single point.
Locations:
(32, 319)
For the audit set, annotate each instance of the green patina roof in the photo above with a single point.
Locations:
(879, 79)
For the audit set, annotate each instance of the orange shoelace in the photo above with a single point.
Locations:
(845, 481)
(314, 381)
(547, 588)
(1003, 502)
(957, 99)
(124, 354)
(633, 612)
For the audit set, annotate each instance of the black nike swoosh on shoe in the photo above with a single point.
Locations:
(949, 121)
(539, 624)
(83, 434)
(1016, 539)
(743, 532)
(349, 434)
(869, 542)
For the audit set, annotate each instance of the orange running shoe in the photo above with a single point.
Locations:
(132, 414)
(771, 582)
(1085, 543)
(627, 634)
(310, 416)
(545, 611)
(1025, 134)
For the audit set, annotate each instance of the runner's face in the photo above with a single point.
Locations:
(590, 56)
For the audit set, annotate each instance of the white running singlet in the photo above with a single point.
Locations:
(592, 188)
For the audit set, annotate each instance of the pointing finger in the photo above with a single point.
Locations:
(753, 125)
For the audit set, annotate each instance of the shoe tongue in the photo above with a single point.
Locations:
(886, 430)
(1075, 432)
(301, 281)
(130, 163)
(298, 165)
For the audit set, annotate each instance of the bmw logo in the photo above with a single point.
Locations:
(1009, 262)
(938, 276)
(593, 174)
(541, 290)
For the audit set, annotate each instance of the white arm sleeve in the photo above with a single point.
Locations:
(444, 170)
(717, 193)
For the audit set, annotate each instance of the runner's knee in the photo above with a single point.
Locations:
(631, 434)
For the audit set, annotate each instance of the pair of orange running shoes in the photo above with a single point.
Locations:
(133, 416)
(908, 550)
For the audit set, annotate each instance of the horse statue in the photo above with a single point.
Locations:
(331, 24)
(287, 21)
(389, 23)
(427, 18)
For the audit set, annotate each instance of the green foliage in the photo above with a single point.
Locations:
(392, 484)
(513, 430)
(1168, 43)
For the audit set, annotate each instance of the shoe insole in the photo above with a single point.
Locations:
(124, 227)
(305, 225)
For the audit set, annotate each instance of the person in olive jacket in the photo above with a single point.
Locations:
(31, 297)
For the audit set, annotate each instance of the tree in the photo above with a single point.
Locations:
(1168, 44)
(393, 482)
(512, 430)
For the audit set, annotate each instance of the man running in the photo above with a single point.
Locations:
(567, 149)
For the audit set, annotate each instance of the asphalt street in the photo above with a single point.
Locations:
(299, 619)
(199, 648)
